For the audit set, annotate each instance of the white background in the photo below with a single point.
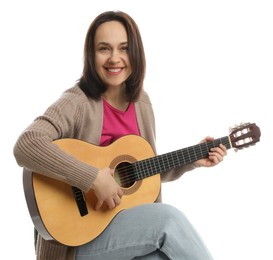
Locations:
(209, 67)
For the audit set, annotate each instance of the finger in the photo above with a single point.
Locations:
(99, 204)
(120, 193)
(111, 203)
(112, 172)
(117, 200)
(209, 138)
(206, 139)
(224, 149)
(216, 157)
(220, 150)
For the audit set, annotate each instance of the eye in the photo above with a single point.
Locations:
(125, 48)
(104, 48)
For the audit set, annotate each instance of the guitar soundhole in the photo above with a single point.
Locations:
(124, 175)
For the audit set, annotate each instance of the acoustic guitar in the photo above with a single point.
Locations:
(66, 214)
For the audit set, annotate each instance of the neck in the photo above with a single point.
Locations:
(115, 96)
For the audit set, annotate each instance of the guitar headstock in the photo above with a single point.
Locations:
(244, 135)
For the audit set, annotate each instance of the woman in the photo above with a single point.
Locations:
(107, 103)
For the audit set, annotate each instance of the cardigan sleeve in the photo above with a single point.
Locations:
(34, 148)
(176, 173)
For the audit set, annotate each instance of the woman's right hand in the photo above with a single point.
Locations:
(106, 189)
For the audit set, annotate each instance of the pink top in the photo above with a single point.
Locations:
(117, 123)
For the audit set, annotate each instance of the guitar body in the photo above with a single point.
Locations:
(52, 203)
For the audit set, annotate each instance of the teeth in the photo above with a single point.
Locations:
(114, 70)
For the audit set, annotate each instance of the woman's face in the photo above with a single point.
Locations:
(111, 54)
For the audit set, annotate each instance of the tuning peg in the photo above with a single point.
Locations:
(244, 135)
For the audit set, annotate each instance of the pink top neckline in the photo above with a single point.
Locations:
(117, 123)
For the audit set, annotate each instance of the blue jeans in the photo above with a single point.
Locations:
(150, 231)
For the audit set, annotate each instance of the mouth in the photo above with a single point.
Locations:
(114, 70)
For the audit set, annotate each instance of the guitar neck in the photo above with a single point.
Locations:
(168, 161)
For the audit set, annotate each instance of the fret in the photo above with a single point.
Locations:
(182, 157)
(177, 159)
(195, 156)
(136, 169)
(169, 160)
(200, 149)
(190, 152)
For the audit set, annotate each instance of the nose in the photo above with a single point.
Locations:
(114, 58)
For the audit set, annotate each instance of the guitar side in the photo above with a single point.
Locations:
(52, 205)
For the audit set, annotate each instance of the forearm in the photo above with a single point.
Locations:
(177, 172)
(34, 150)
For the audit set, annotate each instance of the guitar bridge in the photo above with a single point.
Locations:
(80, 200)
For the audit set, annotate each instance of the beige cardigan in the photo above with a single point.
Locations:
(74, 115)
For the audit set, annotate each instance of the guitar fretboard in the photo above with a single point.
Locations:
(164, 162)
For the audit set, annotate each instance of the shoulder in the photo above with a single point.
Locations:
(72, 102)
(144, 107)
(74, 97)
(144, 98)
(74, 94)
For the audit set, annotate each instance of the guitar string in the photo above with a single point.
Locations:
(191, 153)
(130, 175)
(127, 173)
(206, 147)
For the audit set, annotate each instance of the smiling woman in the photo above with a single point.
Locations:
(107, 103)
(209, 67)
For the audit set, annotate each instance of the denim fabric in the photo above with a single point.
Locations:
(150, 232)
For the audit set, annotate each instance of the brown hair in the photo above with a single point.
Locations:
(90, 82)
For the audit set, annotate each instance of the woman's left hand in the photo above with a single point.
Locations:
(216, 155)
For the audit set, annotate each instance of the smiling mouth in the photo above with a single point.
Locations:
(114, 70)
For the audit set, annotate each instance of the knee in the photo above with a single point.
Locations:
(160, 216)
(169, 216)
(169, 212)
